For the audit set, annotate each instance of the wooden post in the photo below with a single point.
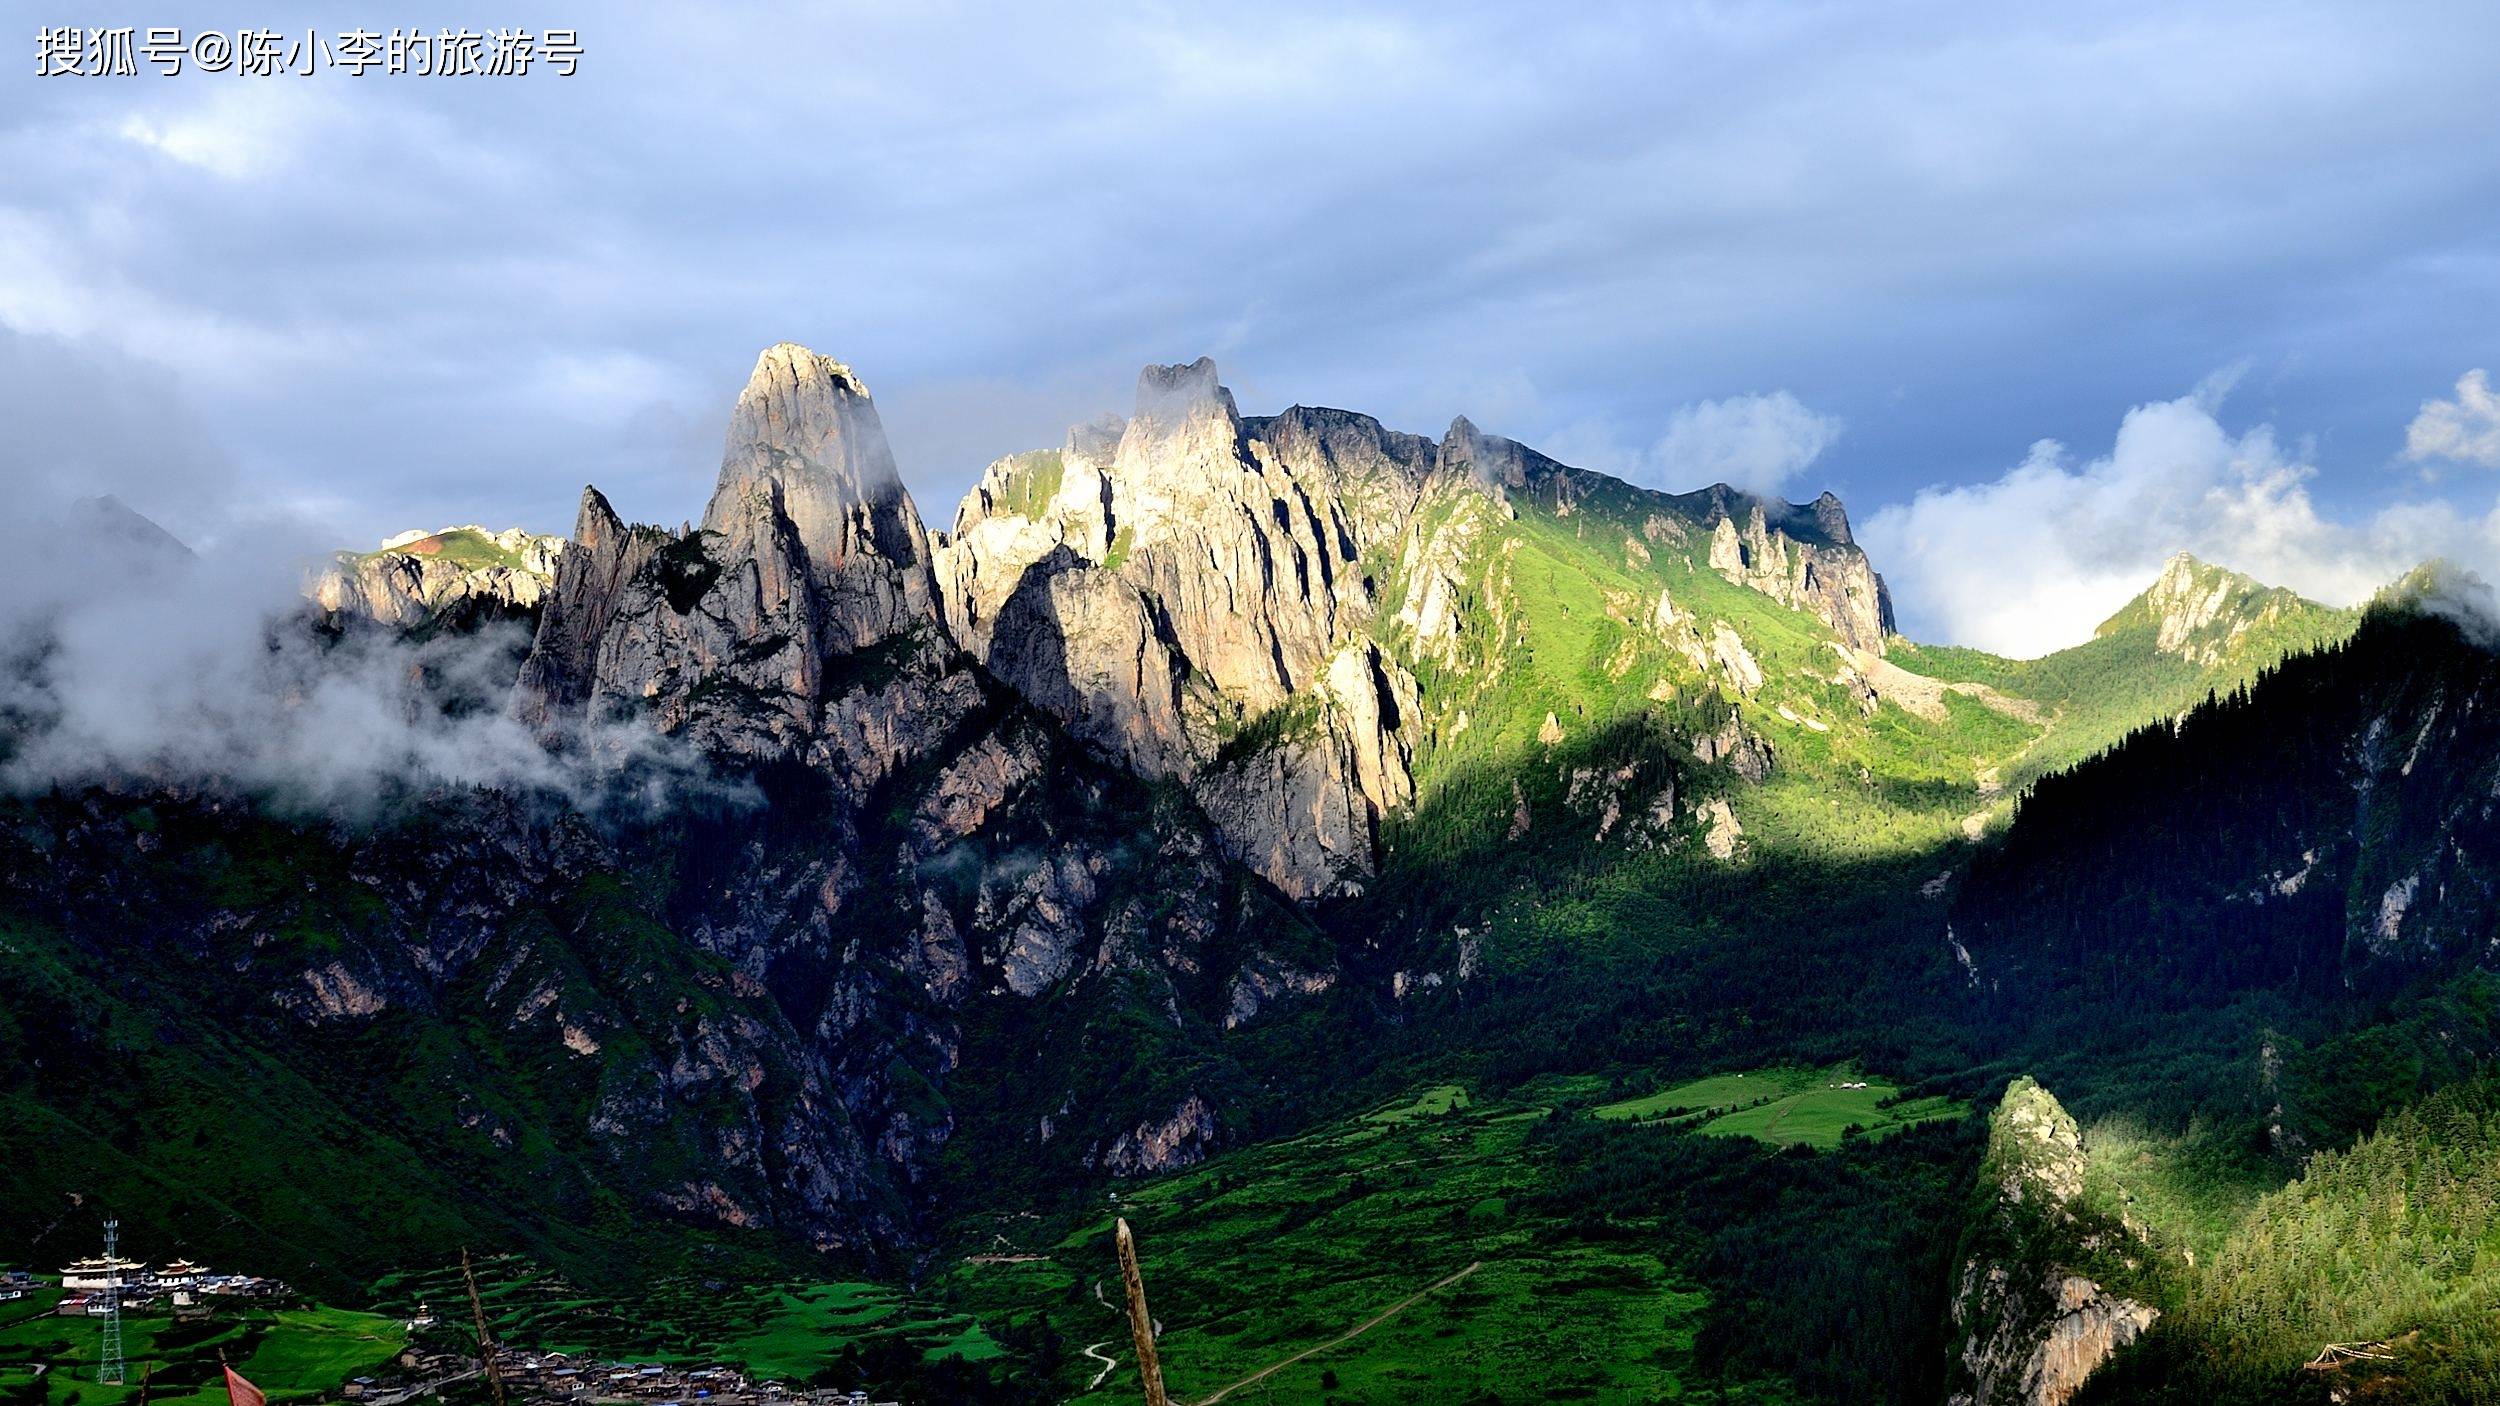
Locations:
(1141, 1324)
(485, 1345)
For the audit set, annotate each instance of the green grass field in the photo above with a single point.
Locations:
(786, 1331)
(1385, 1258)
(812, 1325)
(1785, 1106)
(1432, 1103)
(294, 1355)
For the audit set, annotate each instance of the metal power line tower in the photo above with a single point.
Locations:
(109, 1368)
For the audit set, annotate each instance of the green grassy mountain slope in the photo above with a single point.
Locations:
(2197, 630)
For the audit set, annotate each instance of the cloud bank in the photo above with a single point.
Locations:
(420, 302)
(127, 656)
(2033, 560)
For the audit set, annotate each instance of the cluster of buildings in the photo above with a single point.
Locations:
(91, 1285)
(562, 1377)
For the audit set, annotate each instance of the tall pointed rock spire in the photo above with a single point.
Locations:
(806, 458)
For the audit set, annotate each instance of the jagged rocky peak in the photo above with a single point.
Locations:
(1161, 583)
(807, 458)
(2200, 612)
(1172, 398)
(1496, 462)
(1345, 446)
(453, 576)
(595, 523)
(1799, 554)
(810, 551)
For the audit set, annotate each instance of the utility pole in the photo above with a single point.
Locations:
(1141, 1324)
(485, 1344)
(110, 1370)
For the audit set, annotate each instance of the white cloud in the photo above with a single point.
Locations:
(1759, 443)
(2466, 428)
(2034, 560)
(240, 132)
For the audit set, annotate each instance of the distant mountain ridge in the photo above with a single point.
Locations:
(456, 576)
(2203, 613)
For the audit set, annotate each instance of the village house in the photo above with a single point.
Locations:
(91, 1275)
(181, 1274)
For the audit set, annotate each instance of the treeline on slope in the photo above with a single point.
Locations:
(2390, 1247)
(1824, 1268)
(2324, 830)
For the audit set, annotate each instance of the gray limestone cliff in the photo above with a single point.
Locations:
(969, 851)
(809, 552)
(1187, 595)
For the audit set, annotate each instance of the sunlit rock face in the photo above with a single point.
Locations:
(1183, 589)
(2032, 1326)
(807, 460)
(1815, 568)
(810, 551)
(1203, 596)
(459, 575)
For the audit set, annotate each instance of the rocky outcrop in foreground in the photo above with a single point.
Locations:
(2030, 1327)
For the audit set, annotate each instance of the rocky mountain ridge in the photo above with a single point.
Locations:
(456, 576)
(2203, 613)
(1241, 603)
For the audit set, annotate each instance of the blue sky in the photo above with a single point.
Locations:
(2221, 259)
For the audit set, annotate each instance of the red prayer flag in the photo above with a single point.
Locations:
(243, 1393)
